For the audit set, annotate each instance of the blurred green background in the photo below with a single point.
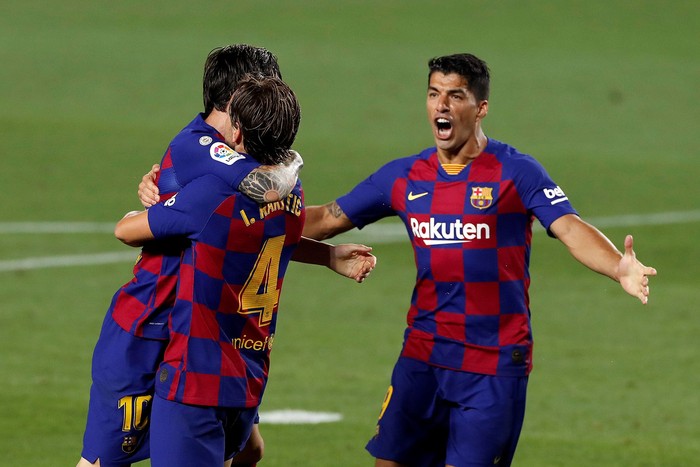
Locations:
(604, 93)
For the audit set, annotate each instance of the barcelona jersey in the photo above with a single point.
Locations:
(222, 326)
(471, 235)
(142, 305)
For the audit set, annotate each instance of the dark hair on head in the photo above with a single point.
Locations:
(267, 112)
(470, 67)
(226, 66)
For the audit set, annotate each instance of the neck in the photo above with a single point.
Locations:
(221, 122)
(469, 151)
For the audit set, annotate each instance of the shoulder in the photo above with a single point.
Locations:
(404, 164)
(195, 142)
(513, 160)
(196, 135)
(199, 149)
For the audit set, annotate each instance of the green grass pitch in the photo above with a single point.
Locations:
(604, 93)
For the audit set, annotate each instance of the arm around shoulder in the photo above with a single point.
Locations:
(270, 183)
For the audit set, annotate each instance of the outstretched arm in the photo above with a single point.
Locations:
(266, 184)
(326, 221)
(349, 260)
(594, 250)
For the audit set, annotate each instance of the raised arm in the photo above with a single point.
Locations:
(266, 184)
(326, 221)
(594, 250)
(349, 260)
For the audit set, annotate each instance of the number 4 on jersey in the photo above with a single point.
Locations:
(260, 293)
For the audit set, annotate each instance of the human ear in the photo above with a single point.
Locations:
(483, 109)
(237, 136)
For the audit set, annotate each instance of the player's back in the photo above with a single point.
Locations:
(224, 319)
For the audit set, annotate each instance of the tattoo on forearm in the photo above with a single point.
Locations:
(334, 210)
(269, 183)
(265, 186)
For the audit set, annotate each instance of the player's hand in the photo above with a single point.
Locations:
(148, 190)
(633, 275)
(353, 261)
(295, 162)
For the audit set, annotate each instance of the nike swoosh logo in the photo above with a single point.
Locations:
(411, 196)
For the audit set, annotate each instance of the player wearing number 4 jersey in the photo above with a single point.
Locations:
(457, 394)
(134, 333)
(222, 327)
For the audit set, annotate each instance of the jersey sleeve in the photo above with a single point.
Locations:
(195, 157)
(541, 195)
(370, 200)
(187, 212)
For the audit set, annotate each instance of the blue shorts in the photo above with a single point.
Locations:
(123, 381)
(433, 416)
(195, 436)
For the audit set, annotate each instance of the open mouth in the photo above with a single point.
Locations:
(443, 127)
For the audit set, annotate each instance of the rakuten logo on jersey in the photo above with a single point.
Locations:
(556, 194)
(433, 232)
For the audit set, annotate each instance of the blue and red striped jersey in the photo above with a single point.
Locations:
(222, 326)
(471, 236)
(142, 305)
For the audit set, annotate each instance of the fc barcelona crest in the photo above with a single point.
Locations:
(129, 444)
(482, 197)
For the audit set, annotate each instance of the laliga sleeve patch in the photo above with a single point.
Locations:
(222, 153)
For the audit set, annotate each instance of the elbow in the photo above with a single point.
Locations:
(120, 234)
(324, 222)
(320, 235)
(131, 243)
(123, 233)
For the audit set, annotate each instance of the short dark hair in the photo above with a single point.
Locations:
(470, 67)
(268, 114)
(226, 66)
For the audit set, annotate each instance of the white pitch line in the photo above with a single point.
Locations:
(374, 234)
(298, 417)
(56, 227)
(68, 260)
(658, 218)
